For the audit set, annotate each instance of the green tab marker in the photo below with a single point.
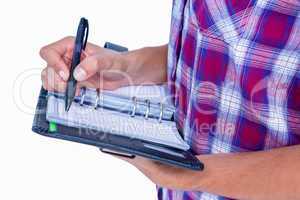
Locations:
(52, 127)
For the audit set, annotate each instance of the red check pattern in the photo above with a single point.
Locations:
(233, 70)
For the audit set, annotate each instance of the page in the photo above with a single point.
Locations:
(121, 100)
(155, 93)
(115, 123)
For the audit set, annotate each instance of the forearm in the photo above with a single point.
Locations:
(261, 175)
(149, 64)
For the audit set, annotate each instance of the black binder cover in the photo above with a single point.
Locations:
(114, 144)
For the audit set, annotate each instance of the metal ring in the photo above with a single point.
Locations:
(161, 112)
(83, 92)
(97, 100)
(134, 100)
(148, 109)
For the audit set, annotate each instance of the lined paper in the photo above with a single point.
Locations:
(118, 123)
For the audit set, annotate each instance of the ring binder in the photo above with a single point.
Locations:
(148, 109)
(82, 96)
(171, 150)
(138, 107)
(134, 99)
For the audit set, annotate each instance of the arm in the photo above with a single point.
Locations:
(264, 175)
(150, 62)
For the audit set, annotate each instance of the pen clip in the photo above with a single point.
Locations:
(86, 33)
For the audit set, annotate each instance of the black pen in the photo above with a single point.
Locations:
(80, 44)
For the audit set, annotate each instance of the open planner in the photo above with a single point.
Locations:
(130, 121)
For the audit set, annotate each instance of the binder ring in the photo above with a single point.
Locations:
(148, 109)
(97, 99)
(161, 112)
(134, 99)
(83, 92)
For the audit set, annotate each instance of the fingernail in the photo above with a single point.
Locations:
(79, 74)
(63, 75)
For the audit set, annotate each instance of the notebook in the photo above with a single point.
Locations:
(103, 124)
(139, 112)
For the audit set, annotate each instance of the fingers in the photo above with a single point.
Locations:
(96, 61)
(55, 55)
(90, 66)
(52, 81)
(45, 82)
(55, 60)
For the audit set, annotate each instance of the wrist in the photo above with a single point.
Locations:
(147, 65)
(134, 60)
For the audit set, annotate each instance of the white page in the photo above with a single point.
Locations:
(152, 92)
(115, 123)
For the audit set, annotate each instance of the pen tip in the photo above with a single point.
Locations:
(68, 104)
(67, 108)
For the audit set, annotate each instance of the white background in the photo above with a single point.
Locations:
(35, 167)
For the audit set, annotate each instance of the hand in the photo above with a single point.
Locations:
(102, 68)
(97, 64)
(166, 176)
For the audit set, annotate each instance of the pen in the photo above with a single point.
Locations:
(80, 44)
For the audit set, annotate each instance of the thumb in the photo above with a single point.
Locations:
(90, 66)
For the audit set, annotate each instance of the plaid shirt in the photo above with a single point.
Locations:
(233, 68)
